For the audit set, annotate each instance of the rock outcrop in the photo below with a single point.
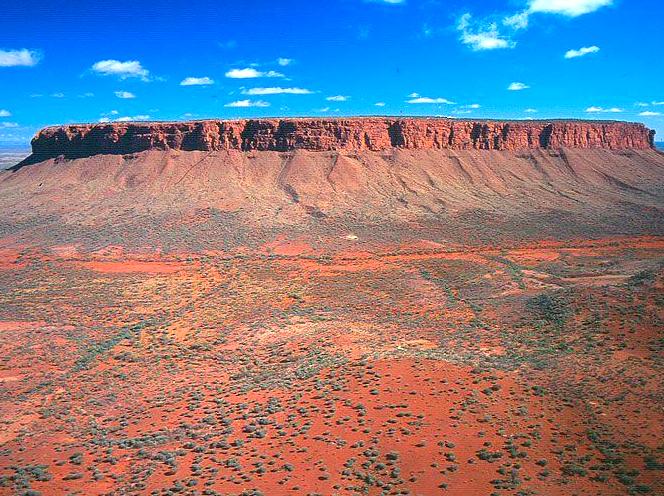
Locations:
(342, 134)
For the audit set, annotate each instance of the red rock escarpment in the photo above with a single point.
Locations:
(342, 134)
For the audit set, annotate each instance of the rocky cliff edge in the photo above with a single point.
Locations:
(341, 134)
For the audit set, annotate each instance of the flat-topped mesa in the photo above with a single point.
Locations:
(341, 134)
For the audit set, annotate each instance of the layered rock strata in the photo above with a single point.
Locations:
(342, 134)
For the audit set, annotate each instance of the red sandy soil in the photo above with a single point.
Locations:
(133, 266)
(430, 372)
(8, 258)
(181, 198)
(414, 322)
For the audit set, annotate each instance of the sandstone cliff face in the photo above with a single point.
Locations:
(347, 135)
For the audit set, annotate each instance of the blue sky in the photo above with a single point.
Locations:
(91, 61)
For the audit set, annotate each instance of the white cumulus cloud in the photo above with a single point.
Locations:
(337, 98)
(133, 118)
(483, 37)
(283, 61)
(276, 91)
(572, 54)
(517, 86)
(596, 110)
(486, 35)
(517, 21)
(251, 73)
(649, 113)
(126, 95)
(5, 113)
(123, 70)
(22, 57)
(247, 103)
(379, 104)
(196, 81)
(571, 8)
(417, 99)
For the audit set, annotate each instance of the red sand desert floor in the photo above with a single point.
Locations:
(529, 370)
